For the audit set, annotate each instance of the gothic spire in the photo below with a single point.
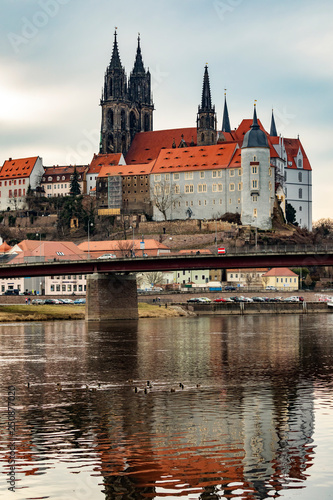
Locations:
(255, 124)
(115, 59)
(273, 131)
(225, 121)
(138, 64)
(206, 101)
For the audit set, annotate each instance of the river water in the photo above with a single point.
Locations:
(239, 407)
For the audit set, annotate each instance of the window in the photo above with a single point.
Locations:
(300, 209)
(300, 176)
(58, 288)
(300, 193)
(255, 213)
(299, 163)
(270, 186)
(217, 173)
(232, 173)
(188, 175)
(254, 169)
(80, 288)
(60, 253)
(58, 178)
(199, 203)
(254, 184)
(232, 187)
(202, 175)
(63, 288)
(177, 189)
(202, 188)
(239, 186)
(157, 189)
(239, 171)
(69, 288)
(52, 288)
(254, 198)
(270, 172)
(175, 177)
(157, 177)
(220, 187)
(214, 188)
(167, 177)
(189, 188)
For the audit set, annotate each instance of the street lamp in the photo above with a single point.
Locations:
(133, 254)
(90, 224)
(40, 245)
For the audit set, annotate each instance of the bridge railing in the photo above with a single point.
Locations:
(8, 259)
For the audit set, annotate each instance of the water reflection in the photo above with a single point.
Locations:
(242, 426)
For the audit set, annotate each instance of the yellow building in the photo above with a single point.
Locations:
(281, 278)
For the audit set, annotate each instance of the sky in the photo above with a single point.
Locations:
(53, 55)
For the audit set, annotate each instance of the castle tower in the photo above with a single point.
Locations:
(126, 109)
(225, 122)
(139, 93)
(273, 132)
(206, 117)
(258, 189)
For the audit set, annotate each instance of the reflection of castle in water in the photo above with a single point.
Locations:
(252, 425)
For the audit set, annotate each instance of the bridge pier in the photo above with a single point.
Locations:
(111, 296)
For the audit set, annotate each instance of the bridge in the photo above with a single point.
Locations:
(111, 283)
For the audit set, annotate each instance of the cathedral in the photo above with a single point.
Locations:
(127, 106)
(201, 172)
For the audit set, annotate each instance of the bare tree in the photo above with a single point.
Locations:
(163, 195)
(125, 248)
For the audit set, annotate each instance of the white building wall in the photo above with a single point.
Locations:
(298, 187)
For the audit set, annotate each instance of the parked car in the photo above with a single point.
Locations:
(258, 299)
(204, 299)
(51, 301)
(220, 299)
(67, 301)
(12, 292)
(230, 288)
(37, 301)
(79, 301)
(272, 288)
(107, 256)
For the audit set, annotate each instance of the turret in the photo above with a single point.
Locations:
(206, 117)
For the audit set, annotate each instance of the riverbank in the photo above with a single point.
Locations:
(13, 313)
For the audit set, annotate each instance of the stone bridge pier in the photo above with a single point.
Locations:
(111, 296)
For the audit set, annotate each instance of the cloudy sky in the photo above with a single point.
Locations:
(53, 54)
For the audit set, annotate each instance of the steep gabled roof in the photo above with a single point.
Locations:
(292, 146)
(146, 146)
(21, 168)
(195, 158)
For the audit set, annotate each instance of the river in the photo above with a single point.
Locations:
(192, 408)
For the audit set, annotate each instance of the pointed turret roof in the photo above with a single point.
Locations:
(225, 121)
(115, 59)
(255, 137)
(273, 131)
(206, 101)
(138, 63)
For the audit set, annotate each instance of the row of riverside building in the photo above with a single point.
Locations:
(197, 172)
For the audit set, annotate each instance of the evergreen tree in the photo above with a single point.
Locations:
(75, 189)
(290, 214)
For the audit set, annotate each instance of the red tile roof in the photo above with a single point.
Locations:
(292, 146)
(21, 168)
(5, 247)
(118, 247)
(146, 146)
(50, 250)
(99, 161)
(280, 271)
(194, 158)
(136, 169)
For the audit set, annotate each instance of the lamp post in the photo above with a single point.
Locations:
(90, 224)
(40, 245)
(133, 254)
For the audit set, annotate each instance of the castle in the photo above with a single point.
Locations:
(200, 172)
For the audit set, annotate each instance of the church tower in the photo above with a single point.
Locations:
(206, 117)
(139, 94)
(127, 108)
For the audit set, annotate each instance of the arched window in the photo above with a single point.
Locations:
(133, 123)
(110, 119)
(147, 123)
(202, 137)
(300, 193)
(300, 176)
(123, 119)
